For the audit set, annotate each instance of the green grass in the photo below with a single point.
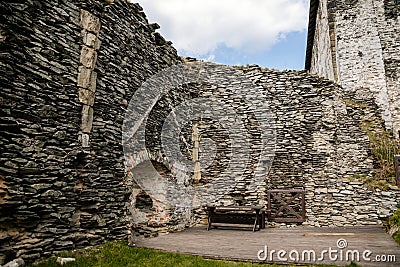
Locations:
(396, 237)
(395, 220)
(119, 254)
(355, 104)
(383, 147)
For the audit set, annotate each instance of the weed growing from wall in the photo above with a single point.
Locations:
(383, 147)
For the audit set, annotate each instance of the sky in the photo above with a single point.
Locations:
(269, 33)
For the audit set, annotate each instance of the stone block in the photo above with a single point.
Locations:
(87, 119)
(86, 97)
(321, 190)
(63, 261)
(88, 57)
(89, 22)
(85, 140)
(90, 39)
(15, 263)
(87, 78)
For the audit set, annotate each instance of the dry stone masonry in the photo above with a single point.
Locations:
(59, 191)
(86, 80)
(69, 70)
(319, 147)
(357, 44)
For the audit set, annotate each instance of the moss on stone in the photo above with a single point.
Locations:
(355, 104)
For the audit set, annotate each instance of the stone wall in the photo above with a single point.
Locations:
(321, 61)
(318, 146)
(388, 16)
(365, 45)
(71, 176)
(69, 69)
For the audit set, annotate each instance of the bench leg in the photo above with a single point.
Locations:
(255, 224)
(263, 220)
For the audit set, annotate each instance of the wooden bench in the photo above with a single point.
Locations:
(253, 215)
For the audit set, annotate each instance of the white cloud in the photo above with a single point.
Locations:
(198, 27)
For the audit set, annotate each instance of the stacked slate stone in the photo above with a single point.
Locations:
(67, 76)
(390, 40)
(320, 147)
(341, 51)
(56, 194)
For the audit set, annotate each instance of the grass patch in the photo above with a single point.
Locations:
(395, 218)
(374, 182)
(393, 221)
(396, 237)
(383, 147)
(355, 104)
(119, 254)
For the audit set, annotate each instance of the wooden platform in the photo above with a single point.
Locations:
(244, 244)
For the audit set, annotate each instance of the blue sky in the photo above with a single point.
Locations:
(269, 33)
(288, 53)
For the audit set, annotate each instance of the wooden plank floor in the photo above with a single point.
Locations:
(243, 244)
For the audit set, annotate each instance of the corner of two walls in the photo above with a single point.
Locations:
(357, 46)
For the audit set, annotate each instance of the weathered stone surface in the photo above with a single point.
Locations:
(62, 87)
(89, 21)
(63, 261)
(319, 147)
(46, 175)
(322, 61)
(358, 46)
(91, 40)
(15, 263)
(88, 57)
(87, 78)
(86, 97)
(87, 115)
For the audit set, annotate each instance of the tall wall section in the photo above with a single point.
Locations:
(68, 71)
(318, 146)
(363, 49)
(322, 62)
(388, 18)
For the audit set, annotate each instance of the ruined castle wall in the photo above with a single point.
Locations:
(365, 41)
(388, 19)
(319, 147)
(359, 52)
(321, 61)
(69, 69)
